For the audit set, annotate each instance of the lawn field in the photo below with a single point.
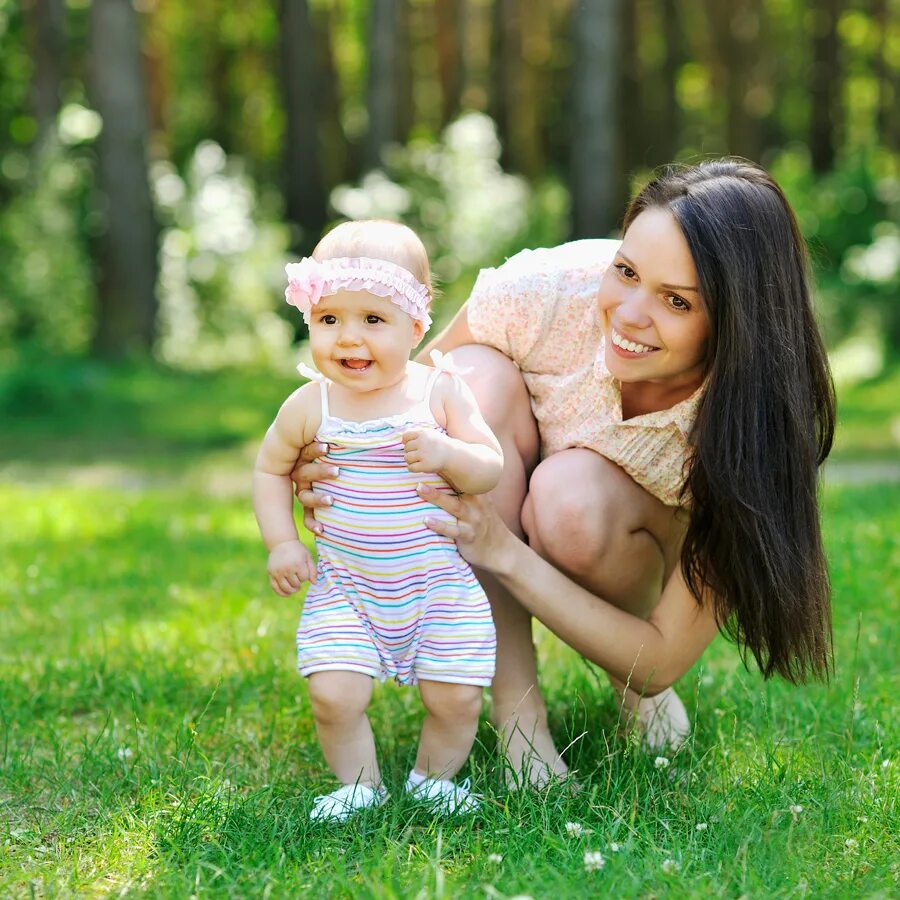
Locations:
(155, 738)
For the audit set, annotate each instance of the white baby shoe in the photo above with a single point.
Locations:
(444, 797)
(339, 805)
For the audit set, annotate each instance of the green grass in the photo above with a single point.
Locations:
(155, 738)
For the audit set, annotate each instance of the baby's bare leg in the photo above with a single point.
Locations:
(339, 703)
(449, 729)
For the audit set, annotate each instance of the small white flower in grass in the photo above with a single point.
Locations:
(661, 762)
(593, 861)
(495, 858)
(124, 753)
(701, 826)
(851, 843)
(574, 829)
(614, 847)
(795, 810)
(885, 764)
(862, 819)
(669, 866)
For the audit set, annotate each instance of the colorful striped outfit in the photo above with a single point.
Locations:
(392, 599)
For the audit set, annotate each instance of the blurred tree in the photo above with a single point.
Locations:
(47, 33)
(127, 304)
(825, 79)
(594, 171)
(385, 84)
(735, 29)
(305, 200)
(450, 16)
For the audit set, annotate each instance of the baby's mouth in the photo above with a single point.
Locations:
(358, 365)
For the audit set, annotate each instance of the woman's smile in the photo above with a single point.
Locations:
(628, 348)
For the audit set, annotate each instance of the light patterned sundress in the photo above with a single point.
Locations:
(392, 598)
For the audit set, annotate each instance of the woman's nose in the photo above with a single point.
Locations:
(633, 310)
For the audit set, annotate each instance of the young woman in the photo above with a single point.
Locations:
(663, 405)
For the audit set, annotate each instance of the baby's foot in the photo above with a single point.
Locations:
(444, 797)
(664, 721)
(339, 805)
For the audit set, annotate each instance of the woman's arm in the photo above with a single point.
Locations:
(649, 655)
(456, 334)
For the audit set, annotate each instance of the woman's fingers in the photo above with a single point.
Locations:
(313, 499)
(309, 520)
(305, 473)
(448, 502)
(311, 452)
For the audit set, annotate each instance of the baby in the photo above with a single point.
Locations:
(389, 597)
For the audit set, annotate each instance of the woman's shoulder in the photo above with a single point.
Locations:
(590, 257)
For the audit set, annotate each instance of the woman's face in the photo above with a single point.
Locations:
(655, 321)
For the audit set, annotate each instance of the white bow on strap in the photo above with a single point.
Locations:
(310, 373)
(445, 365)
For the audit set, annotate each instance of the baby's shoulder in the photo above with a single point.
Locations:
(301, 414)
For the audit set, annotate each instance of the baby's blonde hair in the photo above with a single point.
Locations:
(378, 239)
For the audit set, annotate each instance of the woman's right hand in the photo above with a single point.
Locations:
(308, 469)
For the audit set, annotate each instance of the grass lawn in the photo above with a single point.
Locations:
(155, 738)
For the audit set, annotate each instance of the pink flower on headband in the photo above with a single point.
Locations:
(306, 281)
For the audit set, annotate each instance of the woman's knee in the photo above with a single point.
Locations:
(457, 702)
(339, 696)
(571, 515)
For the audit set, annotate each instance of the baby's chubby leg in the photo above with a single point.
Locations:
(339, 703)
(449, 729)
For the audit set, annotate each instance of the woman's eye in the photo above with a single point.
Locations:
(625, 271)
(678, 302)
(373, 320)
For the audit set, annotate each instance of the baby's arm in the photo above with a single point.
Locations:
(468, 456)
(290, 563)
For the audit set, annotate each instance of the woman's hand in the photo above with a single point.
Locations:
(307, 470)
(481, 535)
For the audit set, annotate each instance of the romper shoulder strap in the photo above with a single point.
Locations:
(313, 375)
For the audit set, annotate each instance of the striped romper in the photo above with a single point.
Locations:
(392, 599)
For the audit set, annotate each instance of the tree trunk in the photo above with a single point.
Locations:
(633, 127)
(825, 85)
(46, 20)
(449, 55)
(384, 90)
(126, 318)
(735, 28)
(670, 119)
(593, 173)
(305, 200)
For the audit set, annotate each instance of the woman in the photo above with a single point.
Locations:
(663, 406)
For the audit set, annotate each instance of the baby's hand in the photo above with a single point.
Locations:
(290, 564)
(427, 450)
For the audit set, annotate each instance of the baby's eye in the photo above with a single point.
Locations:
(625, 271)
(328, 320)
(373, 320)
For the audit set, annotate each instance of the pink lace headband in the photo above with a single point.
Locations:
(309, 280)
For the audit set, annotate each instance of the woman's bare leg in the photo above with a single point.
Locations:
(592, 521)
(518, 709)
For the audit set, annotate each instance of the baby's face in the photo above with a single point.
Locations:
(362, 341)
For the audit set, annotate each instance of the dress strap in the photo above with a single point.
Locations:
(313, 375)
(441, 364)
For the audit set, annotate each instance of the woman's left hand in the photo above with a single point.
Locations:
(481, 535)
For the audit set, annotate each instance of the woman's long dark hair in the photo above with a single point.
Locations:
(766, 419)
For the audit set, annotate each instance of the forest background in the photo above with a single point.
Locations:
(160, 162)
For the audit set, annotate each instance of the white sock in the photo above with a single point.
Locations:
(415, 778)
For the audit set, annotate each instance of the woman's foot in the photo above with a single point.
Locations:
(663, 720)
(531, 756)
(339, 805)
